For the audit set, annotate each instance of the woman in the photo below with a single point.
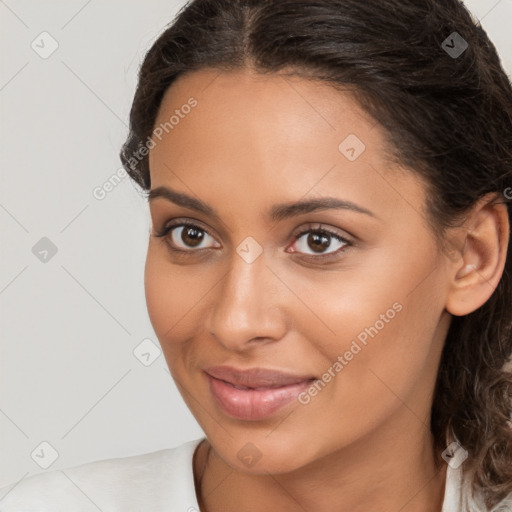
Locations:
(328, 270)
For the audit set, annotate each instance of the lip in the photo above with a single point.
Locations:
(256, 393)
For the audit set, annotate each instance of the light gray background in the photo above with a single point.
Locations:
(69, 376)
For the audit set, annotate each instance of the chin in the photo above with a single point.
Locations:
(261, 453)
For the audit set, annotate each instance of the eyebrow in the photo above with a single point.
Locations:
(278, 212)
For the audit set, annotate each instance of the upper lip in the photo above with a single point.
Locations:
(255, 377)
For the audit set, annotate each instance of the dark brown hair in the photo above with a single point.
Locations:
(448, 118)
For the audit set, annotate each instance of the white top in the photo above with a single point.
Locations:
(160, 481)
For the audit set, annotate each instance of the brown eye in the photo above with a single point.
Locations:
(320, 242)
(187, 237)
(191, 236)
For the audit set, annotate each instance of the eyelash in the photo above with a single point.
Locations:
(318, 229)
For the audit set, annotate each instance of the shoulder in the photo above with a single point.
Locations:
(150, 481)
(459, 496)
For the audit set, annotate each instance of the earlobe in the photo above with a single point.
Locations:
(483, 255)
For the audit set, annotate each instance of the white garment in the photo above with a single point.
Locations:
(160, 481)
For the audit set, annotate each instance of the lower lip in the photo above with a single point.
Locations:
(254, 404)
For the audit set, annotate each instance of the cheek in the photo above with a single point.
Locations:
(382, 317)
(159, 303)
(382, 355)
(167, 295)
(175, 296)
(386, 337)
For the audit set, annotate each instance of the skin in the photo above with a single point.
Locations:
(253, 141)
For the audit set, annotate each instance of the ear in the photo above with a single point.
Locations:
(478, 270)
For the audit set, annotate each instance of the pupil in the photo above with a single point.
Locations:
(194, 234)
(320, 241)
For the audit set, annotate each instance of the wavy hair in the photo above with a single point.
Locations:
(447, 117)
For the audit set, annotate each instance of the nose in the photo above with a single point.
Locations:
(248, 306)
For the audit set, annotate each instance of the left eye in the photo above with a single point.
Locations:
(318, 240)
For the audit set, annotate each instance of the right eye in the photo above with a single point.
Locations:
(185, 237)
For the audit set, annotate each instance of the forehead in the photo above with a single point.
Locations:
(273, 135)
(240, 105)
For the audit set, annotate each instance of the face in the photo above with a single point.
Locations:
(292, 332)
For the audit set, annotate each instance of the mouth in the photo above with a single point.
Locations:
(254, 394)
